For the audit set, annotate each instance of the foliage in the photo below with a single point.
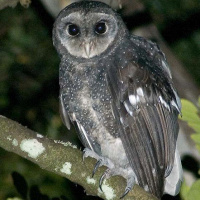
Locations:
(191, 115)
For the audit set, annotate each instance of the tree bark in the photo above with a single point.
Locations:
(64, 159)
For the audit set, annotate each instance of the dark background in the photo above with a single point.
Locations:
(29, 79)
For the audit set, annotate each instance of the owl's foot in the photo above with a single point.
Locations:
(89, 153)
(102, 161)
(128, 173)
(112, 172)
(107, 174)
(130, 183)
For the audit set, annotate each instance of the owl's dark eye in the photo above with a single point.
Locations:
(100, 28)
(73, 29)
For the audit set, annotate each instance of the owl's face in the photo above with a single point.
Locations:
(86, 32)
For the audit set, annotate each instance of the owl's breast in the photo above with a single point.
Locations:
(89, 102)
(85, 93)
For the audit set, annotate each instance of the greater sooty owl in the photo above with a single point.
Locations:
(117, 89)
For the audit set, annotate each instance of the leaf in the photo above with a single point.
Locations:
(195, 126)
(184, 190)
(194, 192)
(190, 115)
(189, 112)
(199, 101)
(20, 184)
(196, 138)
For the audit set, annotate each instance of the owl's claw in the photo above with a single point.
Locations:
(130, 183)
(97, 165)
(111, 171)
(103, 177)
(126, 192)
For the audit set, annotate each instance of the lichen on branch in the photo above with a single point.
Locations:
(64, 159)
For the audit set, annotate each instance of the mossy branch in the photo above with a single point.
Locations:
(63, 159)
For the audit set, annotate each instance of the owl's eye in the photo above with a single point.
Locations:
(100, 28)
(73, 29)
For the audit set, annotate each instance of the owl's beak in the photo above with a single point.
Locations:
(87, 48)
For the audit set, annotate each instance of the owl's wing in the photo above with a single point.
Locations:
(146, 106)
(63, 113)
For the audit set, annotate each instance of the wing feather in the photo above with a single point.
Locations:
(63, 113)
(146, 106)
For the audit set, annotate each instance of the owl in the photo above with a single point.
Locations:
(117, 90)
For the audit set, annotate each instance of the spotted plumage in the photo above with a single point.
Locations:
(117, 89)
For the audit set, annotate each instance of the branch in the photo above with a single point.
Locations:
(13, 3)
(63, 159)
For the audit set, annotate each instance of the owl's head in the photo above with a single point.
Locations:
(87, 29)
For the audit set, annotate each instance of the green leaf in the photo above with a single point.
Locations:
(189, 112)
(190, 115)
(196, 138)
(199, 101)
(184, 190)
(195, 126)
(194, 192)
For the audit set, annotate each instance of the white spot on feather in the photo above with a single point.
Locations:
(164, 102)
(32, 147)
(175, 105)
(66, 168)
(140, 91)
(127, 109)
(134, 99)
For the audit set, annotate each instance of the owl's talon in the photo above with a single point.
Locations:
(130, 183)
(84, 155)
(103, 177)
(127, 190)
(97, 165)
